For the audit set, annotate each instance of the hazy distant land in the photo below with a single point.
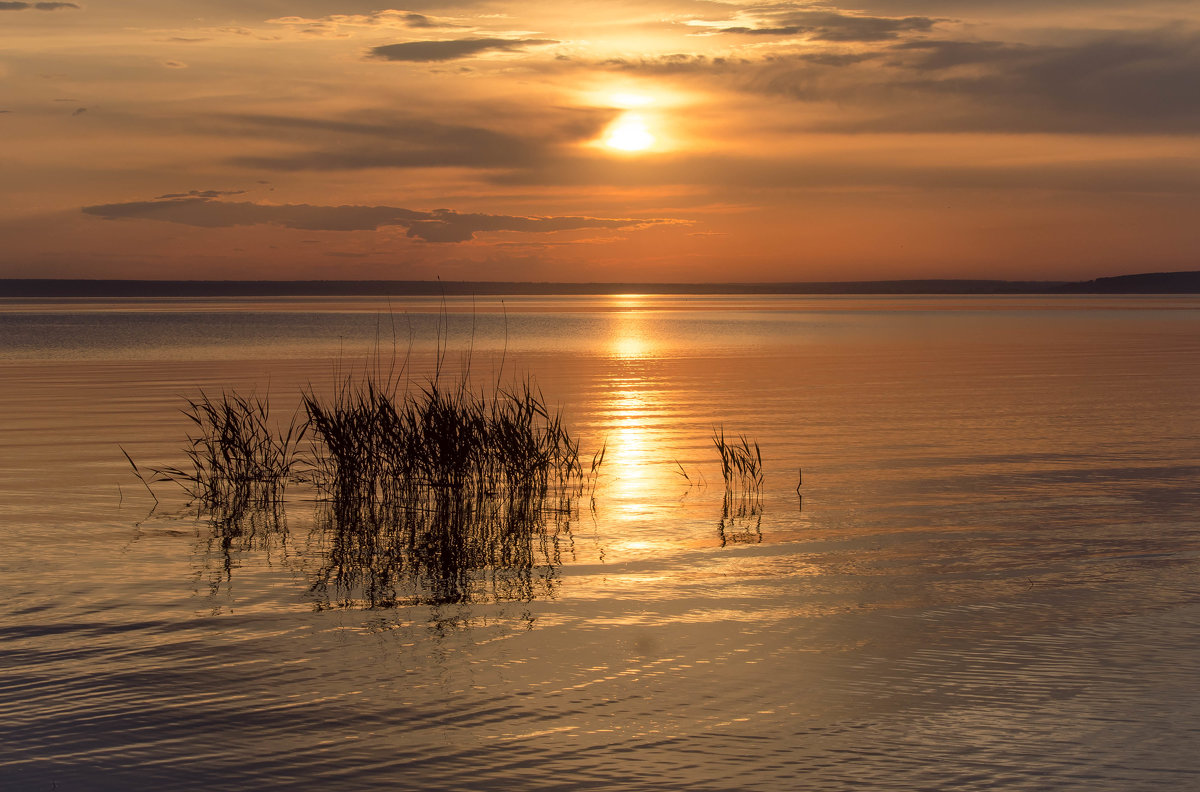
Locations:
(1144, 283)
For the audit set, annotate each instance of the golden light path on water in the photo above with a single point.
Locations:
(637, 465)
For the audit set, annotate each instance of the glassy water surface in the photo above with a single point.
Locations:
(973, 564)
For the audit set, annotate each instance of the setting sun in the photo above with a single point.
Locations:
(629, 133)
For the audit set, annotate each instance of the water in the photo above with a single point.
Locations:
(989, 582)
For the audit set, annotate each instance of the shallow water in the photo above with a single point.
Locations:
(989, 583)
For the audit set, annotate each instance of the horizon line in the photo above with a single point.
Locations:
(1187, 281)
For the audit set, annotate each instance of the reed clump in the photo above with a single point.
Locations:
(238, 457)
(741, 463)
(439, 494)
(375, 442)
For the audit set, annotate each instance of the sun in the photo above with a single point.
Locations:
(629, 133)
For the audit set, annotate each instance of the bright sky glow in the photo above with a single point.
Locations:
(631, 100)
(667, 140)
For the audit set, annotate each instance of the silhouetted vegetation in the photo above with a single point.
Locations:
(442, 495)
(742, 470)
(438, 494)
(376, 445)
(239, 460)
(741, 464)
(435, 494)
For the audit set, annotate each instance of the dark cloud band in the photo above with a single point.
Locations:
(10, 6)
(435, 51)
(439, 225)
(835, 26)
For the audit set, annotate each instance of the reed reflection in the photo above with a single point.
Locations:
(741, 520)
(439, 548)
(258, 526)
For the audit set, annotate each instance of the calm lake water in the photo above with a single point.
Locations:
(990, 582)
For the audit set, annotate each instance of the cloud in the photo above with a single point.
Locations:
(990, 8)
(836, 26)
(677, 63)
(333, 24)
(207, 213)
(773, 31)
(436, 51)
(751, 175)
(390, 141)
(419, 21)
(439, 225)
(201, 194)
(1087, 82)
(1116, 83)
(448, 226)
(9, 6)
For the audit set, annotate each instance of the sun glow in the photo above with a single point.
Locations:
(627, 101)
(629, 133)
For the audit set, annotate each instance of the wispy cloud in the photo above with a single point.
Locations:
(15, 6)
(201, 194)
(832, 25)
(438, 225)
(454, 49)
(409, 141)
(1091, 82)
(755, 175)
(335, 24)
(1121, 82)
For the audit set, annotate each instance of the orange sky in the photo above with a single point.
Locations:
(659, 140)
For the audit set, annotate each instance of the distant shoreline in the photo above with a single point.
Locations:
(1145, 283)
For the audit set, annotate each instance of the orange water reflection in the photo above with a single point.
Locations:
(629, 458)
(640, 487)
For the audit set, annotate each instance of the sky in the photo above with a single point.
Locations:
(655, 141)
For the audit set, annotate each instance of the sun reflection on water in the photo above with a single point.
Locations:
(636, 465)
(630, 348)
(631, 487)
